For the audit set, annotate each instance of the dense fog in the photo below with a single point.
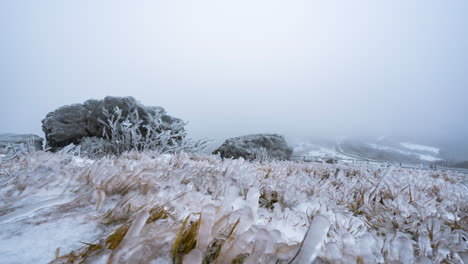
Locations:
(304, 69)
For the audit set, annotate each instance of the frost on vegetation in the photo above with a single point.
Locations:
(313, 240)
(127, 132)
(147, 207)
(12, 150)
(261, 155)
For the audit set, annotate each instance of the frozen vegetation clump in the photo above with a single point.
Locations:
(125, 133)
(147, 207)
(14, 145)
(30, 141)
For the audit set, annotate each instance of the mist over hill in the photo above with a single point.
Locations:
(385, 149)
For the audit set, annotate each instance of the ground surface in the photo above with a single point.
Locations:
(150, 208)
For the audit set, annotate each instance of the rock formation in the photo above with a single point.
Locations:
(71, 123)
(257, 146)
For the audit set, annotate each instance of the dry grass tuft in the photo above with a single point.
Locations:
(113, 241)
(186, 239)
(216, 245)
(157, 213)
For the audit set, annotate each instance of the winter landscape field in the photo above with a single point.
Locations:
(184, 208)
(233, 132)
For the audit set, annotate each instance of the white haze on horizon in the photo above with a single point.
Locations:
(298, 68)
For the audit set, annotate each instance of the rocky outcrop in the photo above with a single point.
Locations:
(71, 123)
(28, 141)
(257, 146)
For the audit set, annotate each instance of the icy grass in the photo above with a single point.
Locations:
(151, 208)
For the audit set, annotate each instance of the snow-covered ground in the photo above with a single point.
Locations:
(150, 208)
(420, 147)
(323, 152)
(421, 156)
(367, 150)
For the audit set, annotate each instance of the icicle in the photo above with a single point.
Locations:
(252, 201)
(422, 260)
(275, 236)
(333, 252)
(462, 256)
(137, 225)
(193, 257)
(237, 246)
(365, 246)
(262, 237)
(247, 219)
(132, 234)
(101, 195)
(424, 244)
(278, 211)
(252, 197)
(313, 240)
(349, 248)
(230, 195)
(379, 183)
(442, 253)
(349, 244)
(206, 225)
(401, 250)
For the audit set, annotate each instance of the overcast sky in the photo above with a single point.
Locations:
(298, 68)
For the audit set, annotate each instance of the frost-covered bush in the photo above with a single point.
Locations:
(16, 150)
(262, 155)
(128, 132)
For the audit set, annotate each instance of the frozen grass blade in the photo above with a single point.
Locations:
(313, 240)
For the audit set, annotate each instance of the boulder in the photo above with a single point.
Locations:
(257, 146)
(28, 141)
(71, 123)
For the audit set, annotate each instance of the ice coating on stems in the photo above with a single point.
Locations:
(207, 219)
(313, 240)
(262, 210)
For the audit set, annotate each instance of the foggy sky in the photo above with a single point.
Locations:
(299, 68)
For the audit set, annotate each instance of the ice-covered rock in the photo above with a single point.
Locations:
(71, 123)
(257, 146)
(27, 141)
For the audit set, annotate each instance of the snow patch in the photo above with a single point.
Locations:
(424, 157)
(326, 153)
(27, 242)
(420, 147)
(428, 158)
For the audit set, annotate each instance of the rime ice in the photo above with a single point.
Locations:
(149, 207)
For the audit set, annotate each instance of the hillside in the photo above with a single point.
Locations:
(397, 151)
